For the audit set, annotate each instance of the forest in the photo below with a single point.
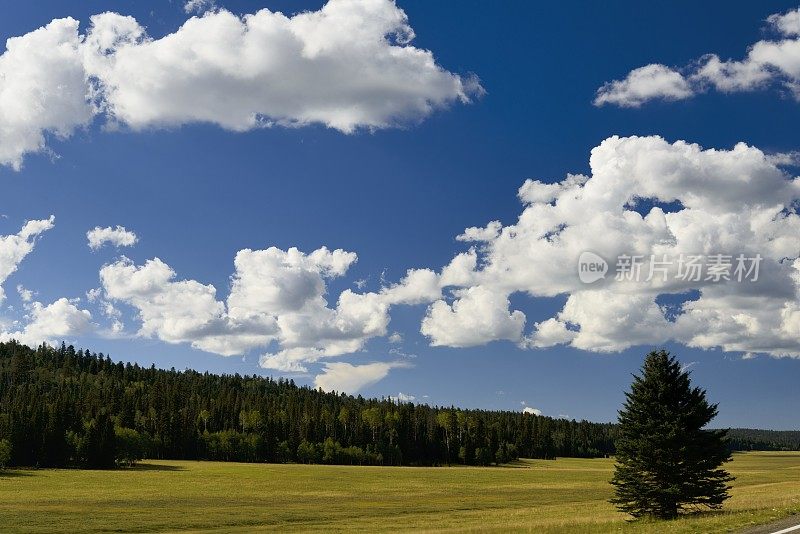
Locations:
(62, 407)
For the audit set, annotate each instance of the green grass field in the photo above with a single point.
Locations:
(566, 495)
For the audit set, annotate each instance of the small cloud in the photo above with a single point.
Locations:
(119, 237)
(643, 84)
(402, 397)
(25, 294)
(785, 159)
(688, 365)
(396, 337)
(94, 294)
(397, 352)
(198, 6)
(766, 62)
(349, 378)
(361, 283)
(532, 411)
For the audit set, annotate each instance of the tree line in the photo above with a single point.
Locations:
(62, 407)
(747, 439)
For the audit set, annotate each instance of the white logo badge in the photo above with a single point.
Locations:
(591, 267)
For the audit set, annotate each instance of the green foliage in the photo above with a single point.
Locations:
(308, 453)
(284, 453)
(506, 452)
(667, 461)
(131, 446)
(748, 439)
(59, 407)
(5, 453)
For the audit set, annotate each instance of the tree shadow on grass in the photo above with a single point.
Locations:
(13, 473)
(155, 467)
(516, 464)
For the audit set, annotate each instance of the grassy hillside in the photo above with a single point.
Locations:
(566, 495)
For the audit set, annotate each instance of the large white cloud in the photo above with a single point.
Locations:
(729, 202)
(14, 247)
(278, 300)
(347, 66)
(644, 197)
(767, 62)
(43, 89)
(58, 321)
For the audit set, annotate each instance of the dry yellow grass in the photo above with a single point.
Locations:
(566, 495)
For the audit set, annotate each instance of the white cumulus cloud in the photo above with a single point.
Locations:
(715, 201)
(278, 301)
(403, 397)
(349, 65)
(349, 378)
(118, 236)
(786, 23)
(198, 6)
(767, 62)
(14, 247)
(476, 316)
(643, 84)
(58, 321)
(43, 90)
(25, 295)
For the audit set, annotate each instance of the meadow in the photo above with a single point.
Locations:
(565, 495)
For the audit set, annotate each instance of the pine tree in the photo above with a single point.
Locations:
(667, 462)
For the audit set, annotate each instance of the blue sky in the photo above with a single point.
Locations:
(196, 193)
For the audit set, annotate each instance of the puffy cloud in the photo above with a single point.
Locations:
(395, 337)
(277, 301)
(650, 198)
(532, 411)
(25, 295)
(349, 378)
(549, 333)
(183, 311)
(198, 6)
(318, 331)
(51, 323)
(766, 62)
(347, 66)
(625, 320)
(43, 89)
(119, 237)
(276, 282)
(14, 248)
(43, 323)
(643, 84)
(475, 317)
(487, 233)
(787, 23)
(403, 397)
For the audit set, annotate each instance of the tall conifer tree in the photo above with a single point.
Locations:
(667, 461)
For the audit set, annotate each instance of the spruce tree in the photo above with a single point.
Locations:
(667, 461)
